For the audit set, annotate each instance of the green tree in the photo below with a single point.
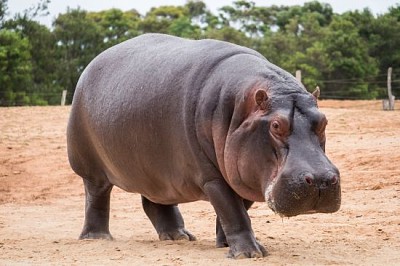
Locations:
(197, 11)
(381, 34)
(228, 34)
(174, 20)
(15, 69)
(3, 11)
(116, 25)
(41, 48)
(349, 61)
(183, 27)
(200, 19)
(43, 58)
(346, 54)
(159, 19)
(78, 40)
(279, 48)
(322, 11)
(385, 38)
(298, 46)
(250, 19)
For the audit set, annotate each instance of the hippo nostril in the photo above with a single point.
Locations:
(309, 179)
(334, 180)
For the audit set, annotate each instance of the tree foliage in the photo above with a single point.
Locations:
(42, 57)
(347, 54)
(15, 68)
(3, 11)
(78, 41)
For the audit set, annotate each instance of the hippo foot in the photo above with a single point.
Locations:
(91, 235)
(179, 234)
(245, 251)
(221, 242)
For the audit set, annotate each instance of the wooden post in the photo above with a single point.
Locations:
(63, 97)
(389, 87)
(298, 75)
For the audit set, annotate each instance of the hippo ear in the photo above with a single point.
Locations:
(316, 93)
(261, 98)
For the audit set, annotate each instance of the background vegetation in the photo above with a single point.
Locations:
(347, 54)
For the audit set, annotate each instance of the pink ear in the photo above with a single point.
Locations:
(261, 97)
(316, 93)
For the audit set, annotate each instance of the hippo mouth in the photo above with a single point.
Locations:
(290, 198)
(288, 201)
(268, 192)
(268, 196)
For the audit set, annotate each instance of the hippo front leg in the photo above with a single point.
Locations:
(221, 238)
(234, 221)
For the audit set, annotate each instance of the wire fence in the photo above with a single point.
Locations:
(380, 86)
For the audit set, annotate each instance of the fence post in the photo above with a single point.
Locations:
(389, 88)
(63, 97)
(298, 75)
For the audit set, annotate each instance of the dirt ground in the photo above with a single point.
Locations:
(42, 202)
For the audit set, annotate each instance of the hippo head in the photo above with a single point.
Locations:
(276, 153)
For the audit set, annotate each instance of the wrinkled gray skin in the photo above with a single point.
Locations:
(178, 121)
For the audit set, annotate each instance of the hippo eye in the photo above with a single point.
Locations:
(279, 127)
(275, 125)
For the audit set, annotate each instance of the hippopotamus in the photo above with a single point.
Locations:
(179, 120)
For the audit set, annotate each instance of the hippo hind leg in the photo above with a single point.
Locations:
(97, 209)
(167, 220)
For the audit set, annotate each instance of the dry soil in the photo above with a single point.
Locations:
(42, 202)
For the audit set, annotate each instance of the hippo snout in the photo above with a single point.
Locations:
(307, 192)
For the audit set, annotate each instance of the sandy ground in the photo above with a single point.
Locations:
(42, 202)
